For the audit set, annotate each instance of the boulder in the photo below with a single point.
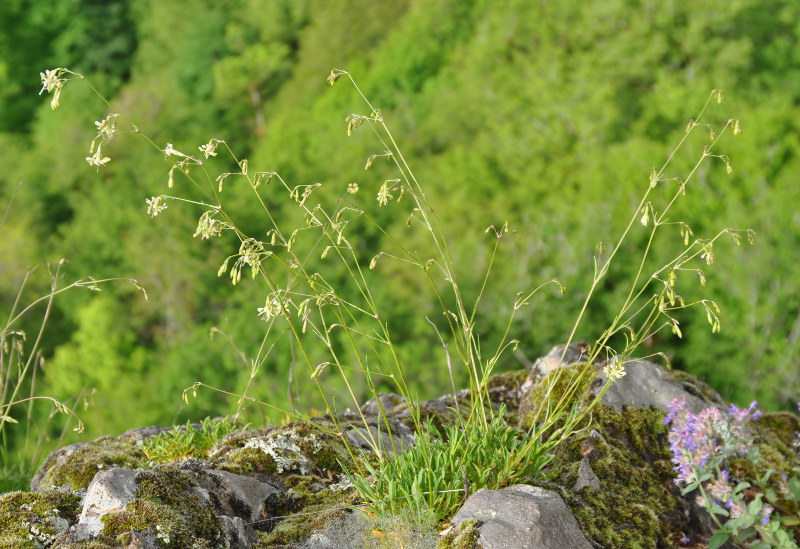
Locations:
(522, 517)
(648, 384)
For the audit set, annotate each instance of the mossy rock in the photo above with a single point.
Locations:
(75, 466)
(32, 520)
(168, 506)
(305, 508)
(575, 377)
(636, 505)
(464, 537)
(299, 448)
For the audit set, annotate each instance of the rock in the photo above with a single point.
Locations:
(238, 535)
(387, 401)
(522, 517)
(586, 477)
(241, 496)
(648, 384)
(57, 458)
(560, 355)
(143, 540)
(109, 492)
(401, 436)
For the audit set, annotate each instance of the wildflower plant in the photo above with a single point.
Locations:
(356, 340)
(703, 446)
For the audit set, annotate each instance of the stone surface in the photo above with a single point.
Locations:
(400, 438)
(648, 384)
(110, 491)
(241, 496)
(586, 477)
(522, 517)
(560, 355)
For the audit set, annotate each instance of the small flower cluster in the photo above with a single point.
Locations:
(701, 445)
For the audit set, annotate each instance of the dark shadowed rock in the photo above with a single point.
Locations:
(522, 517)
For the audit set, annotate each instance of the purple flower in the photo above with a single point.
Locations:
(766, 512)
(750, 413)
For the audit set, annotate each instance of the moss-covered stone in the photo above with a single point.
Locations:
(568, 383)
(167, 505)
(464, 537)
(31, 520)
(76, 469)
(636, 505)
(299, 447)
(306, 510)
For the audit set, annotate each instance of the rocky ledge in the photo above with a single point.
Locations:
(609, 487)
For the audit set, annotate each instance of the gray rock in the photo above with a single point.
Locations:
(110, 491)
(238, 534)
(244, 496)
(143, 540)
(347, 531)
(648, 384)
(386, 400)
(56, 458)
(522, 517)
(586, 477)
(401, 435)
(560, 355)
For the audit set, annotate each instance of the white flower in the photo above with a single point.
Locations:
(155, 205)
(352, 188)
(210, 148)
(614, 370)
(107, 126)
(97, 159)
(169, 150)
(51, 79)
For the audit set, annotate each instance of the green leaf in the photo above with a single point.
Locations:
(717, 540)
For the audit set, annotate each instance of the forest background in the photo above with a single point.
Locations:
(548, 115)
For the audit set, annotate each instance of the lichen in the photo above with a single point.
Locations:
(77, 470)
(167, 505)
(35, 519)
(295, 448)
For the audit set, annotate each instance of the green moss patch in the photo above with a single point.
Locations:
(76, 470)
(464, 537)
(636, 506)
(575, 378)
(27, 518)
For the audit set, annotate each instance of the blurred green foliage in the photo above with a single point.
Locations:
(548, 115)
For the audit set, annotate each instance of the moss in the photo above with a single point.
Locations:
(167, 505)
(306, 512)
(77, 469)
(636, 506)
(25, 517)
(465, 537)
(576, 378)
